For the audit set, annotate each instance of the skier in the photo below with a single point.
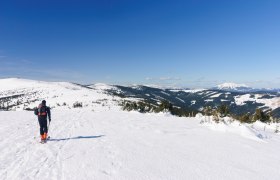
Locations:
(43, 112)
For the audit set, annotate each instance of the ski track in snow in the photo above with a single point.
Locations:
(122, 145)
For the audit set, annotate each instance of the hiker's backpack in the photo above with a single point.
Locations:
(42, 110)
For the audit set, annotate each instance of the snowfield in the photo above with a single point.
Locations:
(123, 145)
(272, 103)
(99, 141)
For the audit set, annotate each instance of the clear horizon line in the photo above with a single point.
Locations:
(131, 84)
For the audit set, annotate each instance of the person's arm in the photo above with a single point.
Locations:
(49, 114)
(36, 111)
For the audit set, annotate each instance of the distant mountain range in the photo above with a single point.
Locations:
(240, 99)
(19, 94)
(233, 87)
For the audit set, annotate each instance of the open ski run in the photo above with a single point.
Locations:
(122, 145)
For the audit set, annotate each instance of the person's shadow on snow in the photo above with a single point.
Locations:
(75, 138)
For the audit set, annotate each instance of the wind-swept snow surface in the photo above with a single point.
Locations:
(122, 145)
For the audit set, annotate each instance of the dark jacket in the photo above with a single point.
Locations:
(43, 112)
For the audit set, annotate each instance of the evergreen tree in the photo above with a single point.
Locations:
(223, 110)
(208, 111)
(165, 105)
(260, 115)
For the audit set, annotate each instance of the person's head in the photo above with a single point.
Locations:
(44, 102)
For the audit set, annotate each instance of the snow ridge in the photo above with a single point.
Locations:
(232, 86)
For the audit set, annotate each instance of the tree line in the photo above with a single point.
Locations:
(218, 112)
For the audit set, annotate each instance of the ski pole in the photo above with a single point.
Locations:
(49, 128)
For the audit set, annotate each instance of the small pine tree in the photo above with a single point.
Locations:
(260, 115)
(216, 116)
(223, 110)
(165, 105)
(208, 111)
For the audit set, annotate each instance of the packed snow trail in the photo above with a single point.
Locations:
(124, 146)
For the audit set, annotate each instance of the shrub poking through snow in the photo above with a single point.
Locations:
(77, 105)
(245, 118)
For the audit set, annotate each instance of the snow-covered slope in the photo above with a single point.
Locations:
(124, 146)
(19, 94)
(99, 141)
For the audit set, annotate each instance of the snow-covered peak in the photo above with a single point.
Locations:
(16, 80)
(19, 83)
(16, 83)
(233, 87)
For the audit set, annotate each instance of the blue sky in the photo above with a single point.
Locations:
(189, 43)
